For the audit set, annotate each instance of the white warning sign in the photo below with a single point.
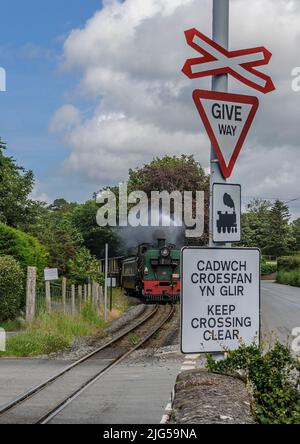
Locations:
(220, 307)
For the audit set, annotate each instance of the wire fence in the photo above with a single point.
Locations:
(68, 299)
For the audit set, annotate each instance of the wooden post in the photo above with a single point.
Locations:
(48, 297)
(95, 295)
(64, 294)
(85, 293)
(73, 300)
(100, 295)
(80, 295)
(30, 294)
(89, 292)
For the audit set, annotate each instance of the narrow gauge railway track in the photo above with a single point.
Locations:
(45, 401)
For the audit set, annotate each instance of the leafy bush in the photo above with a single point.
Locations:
(84, 266)
(11, 287)
(289, 278)
(268, 267)
(289, 263)
(289, 270)
(27, 250)
(274, 377)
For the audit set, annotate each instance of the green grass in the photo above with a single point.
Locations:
(289, 277)
(51, 333)
(13, 325)
(120, 302)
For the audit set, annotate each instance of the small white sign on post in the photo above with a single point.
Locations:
(226, 213)
(112, 282)
(51, 274)
(220, 307)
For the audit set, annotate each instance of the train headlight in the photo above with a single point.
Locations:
(165, 252)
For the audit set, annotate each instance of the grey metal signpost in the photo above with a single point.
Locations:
(219, 83)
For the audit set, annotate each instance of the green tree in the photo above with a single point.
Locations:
(15, 186)
(280, 240)
(94, 237)
(173, 173)
(256, 224)
(296, 233)
(84, 267)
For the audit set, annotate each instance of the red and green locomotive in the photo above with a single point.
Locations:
(154, 273)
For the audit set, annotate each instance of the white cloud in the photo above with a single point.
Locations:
(130, 56)
(38, 194)
(66, 118)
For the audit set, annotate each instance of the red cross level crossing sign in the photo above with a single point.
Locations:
(217, 60)
(227, 117)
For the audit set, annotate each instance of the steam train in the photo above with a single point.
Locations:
(154, 273)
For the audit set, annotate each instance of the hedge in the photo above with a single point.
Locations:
(289, 263)
(11, 288)
(289, 270)
(27, 250)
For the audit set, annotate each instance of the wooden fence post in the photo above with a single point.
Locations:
(89, 292)
(95, 295)
(64, 294)
(48, 297)
(73, 300)
(100, 293)
(30, 294)
(85, 293)
(80, 295)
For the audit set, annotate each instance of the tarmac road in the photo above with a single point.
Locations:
(280, 310)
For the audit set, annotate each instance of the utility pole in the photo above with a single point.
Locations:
(219, 83)
(106, 281)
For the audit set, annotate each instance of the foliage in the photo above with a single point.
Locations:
(94, 237)
(173, 173)
(288, 263)
(273, 376)
(296, 233)
(24, 248)
(84, 266)
(289, 277)
(51, 333)
(267, 226)
(15, 186)
(268, 267)
(280, 239)
(54, 228)
(289, 270)
(11, 288)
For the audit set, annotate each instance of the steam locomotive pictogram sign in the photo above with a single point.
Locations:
(226, 213)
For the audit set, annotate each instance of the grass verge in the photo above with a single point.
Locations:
(55, 332)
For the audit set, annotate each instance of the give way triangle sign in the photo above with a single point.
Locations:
(227, 119)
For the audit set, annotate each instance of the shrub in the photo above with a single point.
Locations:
(289, 263)
(27, 250)
(273, 376)
(11, 288)
(268, 268)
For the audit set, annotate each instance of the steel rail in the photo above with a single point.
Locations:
(27, 395)
(45, 419)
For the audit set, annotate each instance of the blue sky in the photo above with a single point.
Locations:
(31, 43)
